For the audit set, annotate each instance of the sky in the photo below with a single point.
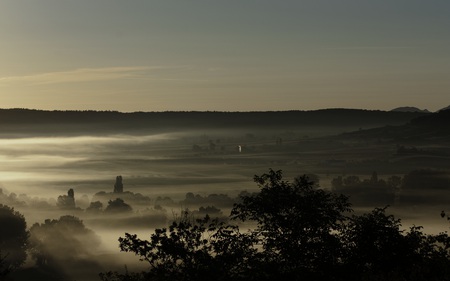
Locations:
(224, 55)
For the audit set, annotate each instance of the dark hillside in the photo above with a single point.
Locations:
(435, 125)
(26, 120)
(409, 109)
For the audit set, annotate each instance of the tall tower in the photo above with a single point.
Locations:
(118, 186)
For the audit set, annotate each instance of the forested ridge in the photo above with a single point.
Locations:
(15, 118)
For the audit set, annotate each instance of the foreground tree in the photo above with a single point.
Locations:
(299, 232)
(298, 225)
(4, 268)
(191, 249)
(13, 240)
(377, 249)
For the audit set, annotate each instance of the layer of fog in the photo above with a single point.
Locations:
(172, 165)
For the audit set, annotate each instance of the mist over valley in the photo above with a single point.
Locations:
(136, 173)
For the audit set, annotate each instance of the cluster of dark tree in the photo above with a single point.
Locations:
(115, 200)
(69, 203)
(434, 183)
(208, 210)
(299, 232)
(221, 200)
(241, 144)
(373, 191)
(211, 145)
(13, 240)
(12, 199)
(59, 248)
(117, 205)
(200, 204)
(248, 143)
(114, 203)
(407, 189)
(432, 179)
(119, 193)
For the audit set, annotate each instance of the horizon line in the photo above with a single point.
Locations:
(218, 111)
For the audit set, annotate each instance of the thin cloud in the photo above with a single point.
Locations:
(370, 48)
(84, 75)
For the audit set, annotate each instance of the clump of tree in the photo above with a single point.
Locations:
(115, 206)
(95, 207)
(128, 196)
(300, 232)
(370, 191)
(208, 210)
(221, 200)
(13, 240)
(427, 179)
(166, 201)
(66, 201)
(416, 187)
(63, 247)
(118, 205)
(425, 186)
(61, 239)
(23, 200)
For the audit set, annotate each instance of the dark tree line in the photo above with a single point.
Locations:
(422, 186)
(112, 120)
(298, 232)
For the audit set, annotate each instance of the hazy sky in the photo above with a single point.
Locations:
(156, 55)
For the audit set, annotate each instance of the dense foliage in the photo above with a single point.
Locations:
(298, 232)
(13, 240)
(57, 241)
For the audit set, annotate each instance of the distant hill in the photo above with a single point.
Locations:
(409, 109)
(56, 122)
(429, 126)
(445, 108)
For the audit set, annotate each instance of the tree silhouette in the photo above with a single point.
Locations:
(13, 240)
(299, 232)
(56, 241)
(297, 224)
(5, 269)
(191, 249)
(95, 207)
(66, 201)
(375, 246)
(118, 206)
